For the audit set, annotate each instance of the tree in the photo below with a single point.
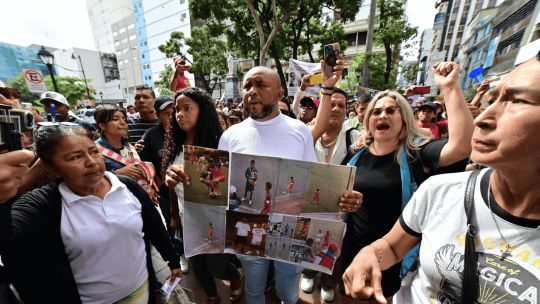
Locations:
(377, 68)
(409, 73)
(392, 31)
(296, 29)
(71, 87)
(208, 53)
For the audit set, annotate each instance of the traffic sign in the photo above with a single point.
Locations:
(34, 81)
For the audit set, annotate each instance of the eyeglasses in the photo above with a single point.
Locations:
(10, 93)
(391, 110)
(309, 107)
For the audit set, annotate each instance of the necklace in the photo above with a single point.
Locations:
(508, 247)
(326, 147)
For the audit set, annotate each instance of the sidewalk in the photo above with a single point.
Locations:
(190, 282)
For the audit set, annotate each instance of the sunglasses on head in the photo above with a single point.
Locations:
(390, 110)
(10, 93)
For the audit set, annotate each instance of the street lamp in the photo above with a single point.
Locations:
(48, 59)
(101, 96)
(73, 56)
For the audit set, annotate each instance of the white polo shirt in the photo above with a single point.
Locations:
(104, 243)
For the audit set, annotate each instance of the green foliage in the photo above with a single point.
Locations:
(208, 55)
(72, 88)
(410, 72)
(299, 33)
(163, 84)
(392, 31)
(377, 66)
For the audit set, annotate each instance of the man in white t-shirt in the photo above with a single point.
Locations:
(259, 135)
(242, 231)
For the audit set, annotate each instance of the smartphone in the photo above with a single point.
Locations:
(331, 53)
(421, 90)
(315, 79)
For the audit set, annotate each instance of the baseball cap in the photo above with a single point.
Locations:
(162, 102)
(232, 189)
(428, 104)
(53, 96)
(307, 101)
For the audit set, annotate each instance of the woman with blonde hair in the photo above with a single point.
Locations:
(392, 157)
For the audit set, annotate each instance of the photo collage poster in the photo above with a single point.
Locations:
(275, 208)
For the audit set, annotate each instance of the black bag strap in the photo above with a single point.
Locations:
(470, 272)
(348, 140)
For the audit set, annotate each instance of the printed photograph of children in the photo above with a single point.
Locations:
(204, 229)
(302, 228)
(323, 244)
(291, 187)
(208, 170)
(280, 232)
(254, 178)
(326, 184)
(246, 233)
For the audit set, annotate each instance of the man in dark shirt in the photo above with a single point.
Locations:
(57, 105)
(144, 104)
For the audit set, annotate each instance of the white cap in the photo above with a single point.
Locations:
(232, 189)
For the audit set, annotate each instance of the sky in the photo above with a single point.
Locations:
(64, 23)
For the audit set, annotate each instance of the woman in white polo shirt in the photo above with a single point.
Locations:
(81, 241)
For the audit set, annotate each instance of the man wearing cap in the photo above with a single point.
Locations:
(57, 105)
(308, 109)
(360, 108)
(426, 117)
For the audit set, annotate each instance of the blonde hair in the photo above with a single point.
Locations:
(411, 135)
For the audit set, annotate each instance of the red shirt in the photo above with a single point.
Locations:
(182, 82)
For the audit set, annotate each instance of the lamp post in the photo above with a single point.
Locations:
(101, 96)
(48, 59)
(73, 56)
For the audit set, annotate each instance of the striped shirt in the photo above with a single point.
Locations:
(137, 127)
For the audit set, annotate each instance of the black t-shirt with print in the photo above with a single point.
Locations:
(378, 178)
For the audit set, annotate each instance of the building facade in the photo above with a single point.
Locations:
(15, 58)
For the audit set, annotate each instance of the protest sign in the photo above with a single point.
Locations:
(277, 208)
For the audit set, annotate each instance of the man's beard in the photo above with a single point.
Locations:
(267, 110)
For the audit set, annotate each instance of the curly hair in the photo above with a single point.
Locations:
(207, 130)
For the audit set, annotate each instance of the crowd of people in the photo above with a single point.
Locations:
(83, 209)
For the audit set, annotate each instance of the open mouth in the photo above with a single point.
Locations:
(382, 126)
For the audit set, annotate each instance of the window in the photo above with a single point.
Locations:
(114, 33)
(131, 26)
(122, 30)
(132, 37)
(182, 1)
(116, 43)
(142, 55)
(183, 17)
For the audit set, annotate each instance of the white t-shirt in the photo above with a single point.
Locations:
(437, 212)
(243, 229)
(257, 235)
(103, 240)
(179, 189)
(281, 136)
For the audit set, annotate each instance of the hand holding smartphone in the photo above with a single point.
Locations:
(331, 54)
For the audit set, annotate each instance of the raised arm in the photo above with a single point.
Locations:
(460, 120)
(325, 107)
(300, 94)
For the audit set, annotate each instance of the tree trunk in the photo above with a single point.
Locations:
(279, 67)
(388, 68)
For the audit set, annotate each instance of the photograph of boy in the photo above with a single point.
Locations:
(204, 229)
(326, 183)
(207, 170)
(258, 232)
(291, 187)
(254, 174)
(246, 233)
(302, 228)
(326, 240)
(267, 205)
(251, 180)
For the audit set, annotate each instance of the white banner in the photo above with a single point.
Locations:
(34, 81)
(297, 70)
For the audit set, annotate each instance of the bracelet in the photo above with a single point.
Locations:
(327, 92)
(328, 88)
(378, 252)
